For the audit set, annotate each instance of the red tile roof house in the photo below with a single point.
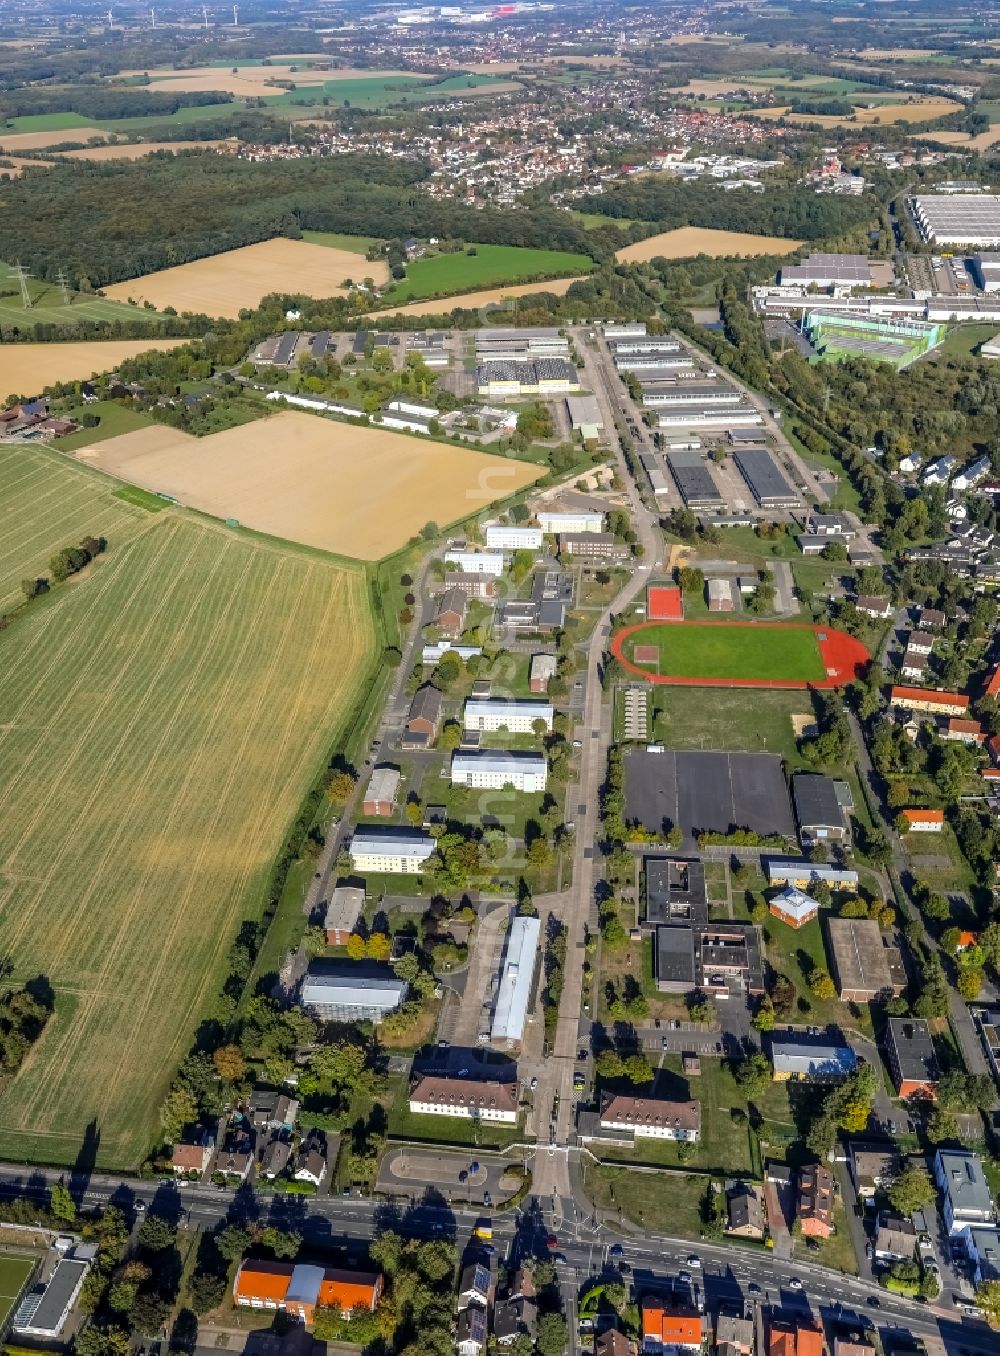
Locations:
(923, 821)
(669, 1330)
(815, 1209)
(300, 1289)
(187, 1158)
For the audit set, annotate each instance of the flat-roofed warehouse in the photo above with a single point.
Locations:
(986, 268)
(694, 480)
(760, 470)
(584, 413)
(829, 270)
(967, 219)
(859, 960)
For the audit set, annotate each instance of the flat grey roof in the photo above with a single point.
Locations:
(693, 478)
(50, 1313)
(675, 954)
(764, 476)
(816, 802)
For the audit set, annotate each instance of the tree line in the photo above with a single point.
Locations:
(785, 210)
(130, 219)
(98, 101)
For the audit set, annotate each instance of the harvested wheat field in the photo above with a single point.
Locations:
(473, 300)
(163, 717)
(687, 241)
(40, 141)
(360, 492)
(134, 150)
(26, 368)
(258, 82)
(981, 142)
(224, 284)
(914, 110)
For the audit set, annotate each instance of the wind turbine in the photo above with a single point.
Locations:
(236, 16)
(110, 18)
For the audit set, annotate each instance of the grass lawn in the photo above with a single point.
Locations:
(961, 340)
(406, 1124)
(725, 1142)
(356, 244)
(837, 1251)
(132, 494)
(489, 266)
(590, 221)
(936, 859)
(669, 1202)
(189, 706)
(14, 1275)
(112, 418)
(711, 650)
(635, 961)
(683, 719)
(796, 952)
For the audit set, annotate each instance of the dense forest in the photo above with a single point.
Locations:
(92, 101)
(795, 212)
(132, 218)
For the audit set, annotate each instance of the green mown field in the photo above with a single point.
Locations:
(47, 504)
(14, 1275)
(714, 650)
(163, 716)
(490, 266)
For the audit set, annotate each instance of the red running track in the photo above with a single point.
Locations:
(844, 658)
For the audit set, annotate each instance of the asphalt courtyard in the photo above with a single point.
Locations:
(707, 792)
(411, 1171)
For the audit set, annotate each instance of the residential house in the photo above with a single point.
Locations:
(873, 1167)
(273, 1112)
(517, 1313)
(912, 1059)
(611, 1342)
(920, 642)
(380, 798)
(193, 1156)
(966, 1200)
(932, 619)
(895, 1239)
(815, 1203)
(542, 671)
(668, 1330)
(451, 613)
(734, 1334)
(274, 1159)
(652, 1118)
(923, 821)
(852, 1346)
(959, 731)
(467, 1099)
(345, 908)
(473, 585)
(475, 1286)
(745, 1214)
(310, 1164)
(924, 699)
(424, 716)
(235, 1163)
(794, 1337)
(913, 665)
(499, 713)
(874, 605)
(470, 1332)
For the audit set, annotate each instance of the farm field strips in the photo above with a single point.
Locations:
(167, 710)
